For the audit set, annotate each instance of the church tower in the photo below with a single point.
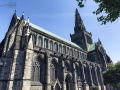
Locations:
(81, 37)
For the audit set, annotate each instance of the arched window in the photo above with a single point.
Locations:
(68, 51)
(53, 73)
(93, 74)
(68, 65)
(80, 55)
(77, 69)
(71, 52)
(85, 57)
(36, 71)
(60, 48)
(77, 54)
(64, 49)
(51, 45)
(55, 47)
(40, 41)
(69, 84)
(45, 43)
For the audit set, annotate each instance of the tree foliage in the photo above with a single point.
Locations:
(110, 7)
(94, 87)
(112, 74)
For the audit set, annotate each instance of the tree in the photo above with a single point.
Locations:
(112, 74)
(95, 88)
(110, 7)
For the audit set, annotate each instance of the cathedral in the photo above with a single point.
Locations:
(32, 58)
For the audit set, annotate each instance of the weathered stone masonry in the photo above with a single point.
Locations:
(36, 59)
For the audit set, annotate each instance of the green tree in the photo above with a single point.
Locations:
(94, 87)
(110, 7)
(112, 74)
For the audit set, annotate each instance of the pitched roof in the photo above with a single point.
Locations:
(51, 34)
(92, 46)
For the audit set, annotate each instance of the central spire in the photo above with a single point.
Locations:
(80, 37)
(79, 26)
(77, 15)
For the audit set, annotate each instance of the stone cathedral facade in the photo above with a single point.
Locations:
(33, 58)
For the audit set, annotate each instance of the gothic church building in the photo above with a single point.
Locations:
(32, 58)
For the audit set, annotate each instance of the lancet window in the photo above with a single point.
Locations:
(51, 45)
(68, 50)
(69, 84)
(60, 48)
(77, 54)
(71, 52)
(40, 41)
(55, 47)
(80, 55)
(45, 43)
(64, 49)
(36, 71)
(53, 73)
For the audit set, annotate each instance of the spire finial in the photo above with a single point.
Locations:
(28, 20)
(77, 11)
(15, 11)
(23, 13)
(98, 38)
(28, 31)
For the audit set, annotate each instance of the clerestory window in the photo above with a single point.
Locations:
(39, 41)
(45, 43)
(64, 49)
(51, 45)
(71, 52)
(60, 48)
(55, 47)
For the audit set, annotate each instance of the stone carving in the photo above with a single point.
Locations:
(46, 62)
(41, 57)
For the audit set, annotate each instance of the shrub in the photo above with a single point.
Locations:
(95, 88)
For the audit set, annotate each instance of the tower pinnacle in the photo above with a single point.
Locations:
(81, 37)
(23, 13)
(14, 14)
(15, 11)
(28, 20)
(79, 26)
(77, 15)
(22, 17)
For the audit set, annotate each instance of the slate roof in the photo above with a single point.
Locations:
(92, 46)
(51, 34)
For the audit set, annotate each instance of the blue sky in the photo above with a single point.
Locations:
(58, 16)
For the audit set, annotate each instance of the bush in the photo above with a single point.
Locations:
(95, 88)
(112, 74)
